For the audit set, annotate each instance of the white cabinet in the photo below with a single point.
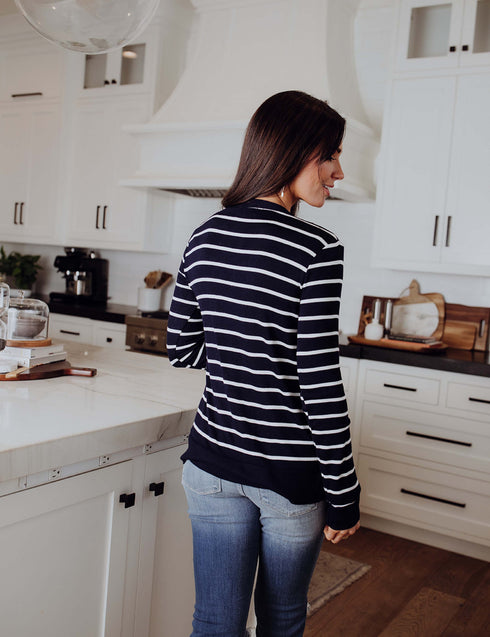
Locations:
(83, 330)
(104, 214)
(63, 550)
(165, 589)
(29, 69)
(432, 205)
(29, 172)
(443, 34)
(424, 453)
(107, 552)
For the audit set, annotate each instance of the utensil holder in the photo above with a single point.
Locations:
(149, 299)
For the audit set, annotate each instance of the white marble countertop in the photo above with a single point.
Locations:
(135, 399)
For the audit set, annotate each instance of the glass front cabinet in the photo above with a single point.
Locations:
(443, 34)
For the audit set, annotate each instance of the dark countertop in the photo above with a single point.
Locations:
(111, 312)
(449, 360)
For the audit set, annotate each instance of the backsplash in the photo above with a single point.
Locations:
(352, 222)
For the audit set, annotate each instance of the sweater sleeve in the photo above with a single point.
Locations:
(321, 386)
(185, 333)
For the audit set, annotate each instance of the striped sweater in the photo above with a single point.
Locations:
(257, 305)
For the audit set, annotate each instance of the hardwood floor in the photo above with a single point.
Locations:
(411, 590)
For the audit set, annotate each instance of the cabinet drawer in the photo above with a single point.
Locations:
(428, 436)
(110, 337)
(439, 501)
(402, 386)
(66, 329)
(475, 398)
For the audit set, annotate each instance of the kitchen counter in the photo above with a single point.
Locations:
(450, 360)
(135, 399)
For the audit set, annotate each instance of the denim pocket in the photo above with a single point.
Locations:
(283, 506)
(199, 481)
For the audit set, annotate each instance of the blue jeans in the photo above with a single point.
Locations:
(235, 527)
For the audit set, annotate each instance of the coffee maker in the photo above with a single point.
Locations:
(85, 274)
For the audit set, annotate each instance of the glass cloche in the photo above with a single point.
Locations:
(4, 306)
(27, 320)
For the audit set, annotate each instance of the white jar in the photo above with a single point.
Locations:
(374, 330)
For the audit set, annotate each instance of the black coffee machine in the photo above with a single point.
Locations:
(86, 277)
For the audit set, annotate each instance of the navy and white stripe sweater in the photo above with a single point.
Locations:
(257, 305)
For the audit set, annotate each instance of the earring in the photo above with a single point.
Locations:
(282, 192)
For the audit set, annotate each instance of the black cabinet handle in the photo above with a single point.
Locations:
(399, 387)
(448, 231)
(128, 499)
(108, 339)
(14, 95)
(448, 440)
(69, 332)
(21, 220)
(97, 218)
(479, 400)
(157, 488)
(113, 81)
(465, 47)
(461, 505)
(436, 226)
(15, 213)
(104, 213)
(452, 49)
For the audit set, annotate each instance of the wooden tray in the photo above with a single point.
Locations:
(51, 370)
(409, 346)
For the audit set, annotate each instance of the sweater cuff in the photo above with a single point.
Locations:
(343, 518)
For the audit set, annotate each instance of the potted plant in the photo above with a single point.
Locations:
(19, 270)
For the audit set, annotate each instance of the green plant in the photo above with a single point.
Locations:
(23, 268)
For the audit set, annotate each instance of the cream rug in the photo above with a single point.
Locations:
(331, 576)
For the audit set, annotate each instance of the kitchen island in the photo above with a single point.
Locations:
(94, 534)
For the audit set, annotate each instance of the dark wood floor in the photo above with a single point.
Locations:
(411, 590)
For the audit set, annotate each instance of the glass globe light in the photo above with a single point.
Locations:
(89, 26)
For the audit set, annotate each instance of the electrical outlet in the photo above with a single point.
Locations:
(104, 460)
(147, 448)
(53, 474)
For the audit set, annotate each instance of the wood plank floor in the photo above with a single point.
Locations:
(411, 590)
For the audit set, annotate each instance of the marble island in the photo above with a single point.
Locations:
(135, 399)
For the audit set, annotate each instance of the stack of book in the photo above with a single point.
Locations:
(33, 356)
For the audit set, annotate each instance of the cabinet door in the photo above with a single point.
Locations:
(165, 599)
(412, 195)
(71, 328)
(63, 550)
(105, 214)
(29, 72)
(14, 171)
(30, 168)
(475, 37)
(429, 34)
(90, 166)
(468, 230)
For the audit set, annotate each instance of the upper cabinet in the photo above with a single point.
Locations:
(30, 69)
(442, 34)
(432, 197)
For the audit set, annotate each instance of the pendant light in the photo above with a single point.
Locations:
(89, 26)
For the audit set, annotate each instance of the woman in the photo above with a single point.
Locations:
(269, 464)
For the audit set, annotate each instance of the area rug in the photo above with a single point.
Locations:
(331, 576)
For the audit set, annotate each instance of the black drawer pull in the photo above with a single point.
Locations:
(479, 400)
(69, 332)
(157, 488)
(431, 497)
(452, 442)
(399, 387)
(128, 499)
(25, 94)
(436, 225)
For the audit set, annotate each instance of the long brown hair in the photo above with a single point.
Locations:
(285, 133)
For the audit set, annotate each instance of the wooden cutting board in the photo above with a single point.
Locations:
(51, 370)
(419, 314)
(408, 346)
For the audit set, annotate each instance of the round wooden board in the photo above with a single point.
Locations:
(30, 343)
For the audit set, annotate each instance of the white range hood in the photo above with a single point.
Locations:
(241, 52)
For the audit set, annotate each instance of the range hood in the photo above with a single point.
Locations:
(240, 53)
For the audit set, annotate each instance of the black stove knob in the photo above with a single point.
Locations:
(139, 338)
